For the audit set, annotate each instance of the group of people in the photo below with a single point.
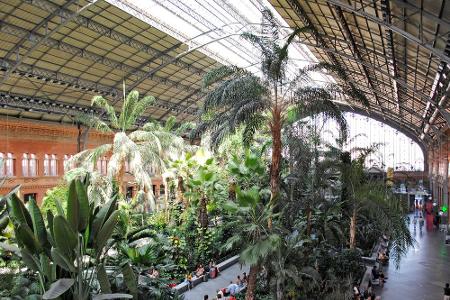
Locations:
(232, 289)
(383, 250)
(209, 271)
(368, 294)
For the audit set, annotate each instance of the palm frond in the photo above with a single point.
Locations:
(102, 103)
(138, 109)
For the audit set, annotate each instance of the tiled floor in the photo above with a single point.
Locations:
(211, 286)
(423, 272)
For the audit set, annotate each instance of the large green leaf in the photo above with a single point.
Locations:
(73, 206)
(25, 235)
(102, 215)
(102, 278)
(30, 260)
(61, 260)
(58, 288)
(38, 223)
(130, 280)
(17, 211)
(66, 239)
(83, 201)
(106, 231)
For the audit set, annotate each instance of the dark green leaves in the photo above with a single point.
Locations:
(66, 239)
(78, 206)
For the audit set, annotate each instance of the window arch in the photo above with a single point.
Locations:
(9, 165)
(25, 165)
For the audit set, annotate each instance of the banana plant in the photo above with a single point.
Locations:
(67, 251)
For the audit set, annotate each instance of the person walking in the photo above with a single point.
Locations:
(447, 292)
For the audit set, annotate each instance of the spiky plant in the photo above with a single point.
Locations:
(143, 150)
(238, 98)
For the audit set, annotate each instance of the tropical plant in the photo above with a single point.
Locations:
(67, 250)
(252, 234)
(57, 194)
(239, 98)
(140, 152)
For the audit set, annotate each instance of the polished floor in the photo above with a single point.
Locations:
(425, 269)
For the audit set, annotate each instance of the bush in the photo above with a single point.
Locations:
(59, 193)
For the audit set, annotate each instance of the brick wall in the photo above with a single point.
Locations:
(40, 138)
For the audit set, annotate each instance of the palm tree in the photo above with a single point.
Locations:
(251, 233)
(142, 151)
(239, 98)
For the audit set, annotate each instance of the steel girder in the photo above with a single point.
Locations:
(319, 39)
(356, 9)
(82, 84)
(37, 42)
(113, 34)
(38, 104)
(19, 32)
(356, 51)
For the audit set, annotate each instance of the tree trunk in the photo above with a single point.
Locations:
(251, 286)
(180, 190)
(276, 156)
(203, 213)
(279, 290)
(308, 220)
(353, 230)
(166, 199)
(119, 177)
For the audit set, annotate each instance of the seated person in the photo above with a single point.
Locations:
(154, 273)
(382, 257)
(188, 280)
(232, 288)
(200, 271)
(245, 277)
(239, 282)
(376, 274)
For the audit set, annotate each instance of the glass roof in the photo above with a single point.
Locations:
(213, 27)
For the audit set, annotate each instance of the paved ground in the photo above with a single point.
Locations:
(424, 271)
(211, 286)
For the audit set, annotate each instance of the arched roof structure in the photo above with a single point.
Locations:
(56, 54)
(396, 51)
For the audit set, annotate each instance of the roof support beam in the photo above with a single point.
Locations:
(423, 96)
(84, 85)
(356, 10)
(113, 34)
(318, 37)
(62, 46)
(348, 34)
(41, 40)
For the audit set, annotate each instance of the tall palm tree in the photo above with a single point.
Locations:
(251, 233)
(238, 98)
(141, 150)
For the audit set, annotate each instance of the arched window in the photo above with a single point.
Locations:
(2, 165)
(9, 165)
(53, 165)
(29, 165)
(32, 165)
(46, 165)
(25, 165)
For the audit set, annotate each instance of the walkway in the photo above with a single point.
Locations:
(211, 286)
(423, 271)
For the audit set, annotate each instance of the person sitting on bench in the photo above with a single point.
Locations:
(376, 274)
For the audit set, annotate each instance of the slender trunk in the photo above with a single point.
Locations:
(203, 213)
(180, 190)
(308, 220)
(276, 156)
(251, 286)
(119, 177)
(232, 191)
(84, 138)
(353, 230)
(279, 290)
(166, 199)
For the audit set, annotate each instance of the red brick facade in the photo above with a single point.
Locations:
(20, 137)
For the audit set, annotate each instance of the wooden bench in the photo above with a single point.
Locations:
(183, 287)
